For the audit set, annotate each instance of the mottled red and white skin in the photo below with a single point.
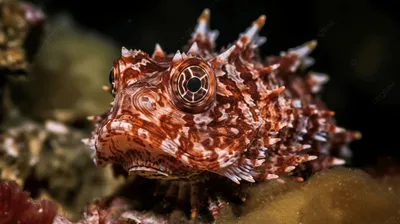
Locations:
(229, 113)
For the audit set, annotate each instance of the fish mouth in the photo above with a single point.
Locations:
(148, 172)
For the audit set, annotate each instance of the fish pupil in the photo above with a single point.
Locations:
(194, 84)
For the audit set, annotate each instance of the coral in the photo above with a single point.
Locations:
(117, 211)
(49, 159)
(17, 207)
(15, 22)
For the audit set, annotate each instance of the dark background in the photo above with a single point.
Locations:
(358, 44)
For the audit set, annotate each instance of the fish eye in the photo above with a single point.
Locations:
(193, 85)
(111, 80)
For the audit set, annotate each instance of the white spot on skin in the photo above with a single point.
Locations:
(222, 131)
(185, 131)
(137, 66)
(235, 131)
(224, 115)
(116, 125)
(234, 119)
(134, 53)
(130, 82)
(185, 160)
(222, 90)
(227, 106)
(222, 157)
(204, 119)
(122, 68)
(169, 146)
(143, 133)
(197, 147)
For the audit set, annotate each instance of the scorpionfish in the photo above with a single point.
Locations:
(228, 113)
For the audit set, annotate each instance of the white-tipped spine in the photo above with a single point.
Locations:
(202, 25)
(213, 35)
(251, 34)
(272, 176)
(318, 79)
(194, 49)
(312, 157)
(177, 56)
(225, 55)
(125, 52)
(85, 141)
(305, 49)
(338, 162)
(158, 51)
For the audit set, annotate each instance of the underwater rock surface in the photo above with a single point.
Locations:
(336, 196)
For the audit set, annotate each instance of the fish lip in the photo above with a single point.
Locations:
(148, 169)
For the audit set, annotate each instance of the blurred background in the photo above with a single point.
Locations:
(357, 47)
